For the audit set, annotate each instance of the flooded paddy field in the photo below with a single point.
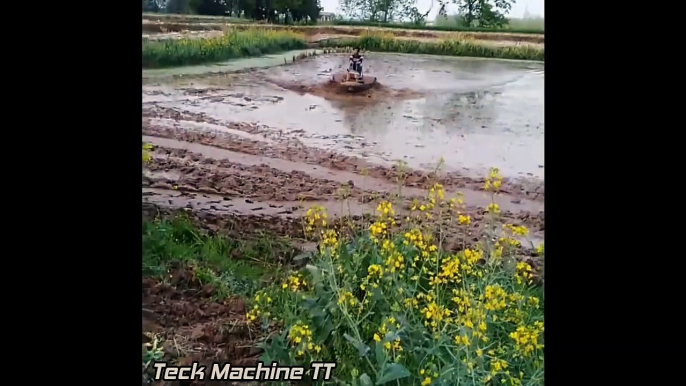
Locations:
(272, 141)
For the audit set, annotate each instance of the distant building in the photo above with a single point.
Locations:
(327, 16)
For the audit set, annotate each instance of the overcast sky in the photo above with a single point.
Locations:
(535, 7)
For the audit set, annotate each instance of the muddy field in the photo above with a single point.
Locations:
(255, 149)
(474, 113)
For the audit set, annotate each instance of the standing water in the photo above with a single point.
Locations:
(474, 113)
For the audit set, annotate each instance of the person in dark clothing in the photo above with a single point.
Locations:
(356, 61)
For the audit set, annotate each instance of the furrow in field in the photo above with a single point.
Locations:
(221, 183)
(265, 142)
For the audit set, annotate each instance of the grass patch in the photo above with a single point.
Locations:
(389, 306)
(233, 44)
(445, 47)
(232, 266)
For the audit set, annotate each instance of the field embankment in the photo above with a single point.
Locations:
(442, 47)
(235, 43)
(178, 26)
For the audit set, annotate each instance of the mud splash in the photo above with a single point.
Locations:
(342, 98)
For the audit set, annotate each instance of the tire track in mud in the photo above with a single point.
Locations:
(217, 183)
(268, 171)
(288, 147)
(193, 172)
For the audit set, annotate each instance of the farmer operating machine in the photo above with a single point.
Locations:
(352, 79)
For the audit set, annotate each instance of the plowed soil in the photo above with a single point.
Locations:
(228, 176)
(191, 326)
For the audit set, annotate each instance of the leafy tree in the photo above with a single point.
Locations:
(311, 8)
(177, 6)
(152, 6)
(382, 10)
(248, 7)
(210, 7)
(489, 16)
(411, 12)
(270, 10)
(484, 13)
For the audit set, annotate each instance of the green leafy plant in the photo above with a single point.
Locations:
(152, 351)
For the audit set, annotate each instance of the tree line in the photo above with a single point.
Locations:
(472, 13)
(272, 11)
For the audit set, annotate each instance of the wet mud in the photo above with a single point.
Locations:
(272, 147)
(224, 183)
(342, 96)
(208, 165)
